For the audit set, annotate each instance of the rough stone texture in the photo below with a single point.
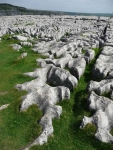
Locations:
(101, 105)
(23, 55)
(89, 55)
(77, 67)
(16, 47)
(19, 37)
(61, 62)
(26, 44)
(58, 76)
(104, 64)
(45, 97)
(4, 106)
(102, 118)
(55, 76)
(104, 86)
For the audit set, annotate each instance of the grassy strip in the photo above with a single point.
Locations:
(17, 129)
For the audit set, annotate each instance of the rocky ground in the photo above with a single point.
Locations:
(69, 44)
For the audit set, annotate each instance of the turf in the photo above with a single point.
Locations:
(19, 129)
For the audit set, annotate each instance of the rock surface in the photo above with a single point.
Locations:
(46, 97)
(104, 64)
(4, 106)
(19, 37)
(102, 118)
(16, 47)
(102, 87)
(23, 55)
(103, 106)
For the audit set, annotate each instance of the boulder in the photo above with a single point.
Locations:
(16, 47)
(23, 55)
(4, 106)
(46, 98)
(104, 86)
(102, 118)
(26, 44)
(20, 38)
(61, 62)
(77, 67)
(54, 76)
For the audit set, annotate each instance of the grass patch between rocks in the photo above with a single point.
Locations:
(17, 129)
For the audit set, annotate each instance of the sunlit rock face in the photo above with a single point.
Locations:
(102, 118)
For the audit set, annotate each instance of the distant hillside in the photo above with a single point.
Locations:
(11, 10)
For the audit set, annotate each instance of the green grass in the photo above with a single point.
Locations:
(67, 33)
(29, 24)
(107, 94)
(19, 129)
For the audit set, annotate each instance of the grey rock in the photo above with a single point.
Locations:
(16, 47)
(104, 64)
(61, 77)
(104, 86)
(102, 118)
(31, 85)
(46, 98)
(77, 67)
(54, 76)
(26, 44)
(61, 62)
(89, 55)
(19, 37)
(4, 106)
(60, 52)
(23, 55)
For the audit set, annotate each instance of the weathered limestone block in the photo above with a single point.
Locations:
(109, 44)
(46, 98)
(4, 106)
(102, 117)
(26, 44)
(61, 62)
(31, 85)
(19, 37)
(43, 62)
(43, 47)
(104, 86)
(77, 67)
(41, 73)
(16, 47)
(54, 76)
(107, 51)
(89, 55)
(61, 77)
(61, 52)
(104, 64)
(23, 55)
